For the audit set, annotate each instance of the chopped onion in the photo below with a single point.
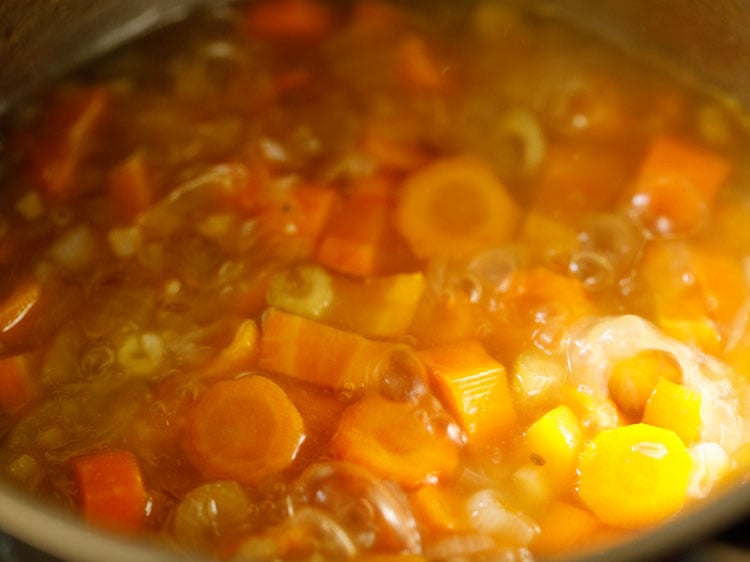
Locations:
(124, 242)
(141, 354)
(75, 249)
(710, 464)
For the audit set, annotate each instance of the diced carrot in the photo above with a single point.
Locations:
(301, 212)
(353, 241)
(439, 509)
(18, 310)
(393, 442)
(392, 152)
(672, 406)
(474, 387)
(454, 206)
(554, 441)
(634, 476)
(442, 319)
(633, 379)
(130, 187)
(676, 185)
(290, 20)
(239, 356)
(319, 354)
(67, 133)
(16, 385)
(417, 66)
(305, 290)
(564, 527)
(244, 429)
(111, 490)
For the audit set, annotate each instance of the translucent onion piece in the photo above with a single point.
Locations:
(595, 347)
(75, 249)
(461, 547)
(306, 290)
(403, 376)
(488, 516)
(124, 242)
(710, 464)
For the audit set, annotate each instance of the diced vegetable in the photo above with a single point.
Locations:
(553, 442)
(290, 20)
(563, 528)
(17, 311)
(244, 429)
(676, 185)
(439, 508)
(239, 356)
(306, 291)
(474, 388)
(130, 187)
(634, 476)
(417, 66)
(672, 406)
(16, 384)
(111, 491)
(391, 151)
(393, 441)
(453, 207)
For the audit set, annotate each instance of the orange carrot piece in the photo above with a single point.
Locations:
(676, 184)
(417, 66)
(240, 355)
(473, 386)
(111, 491)
(454, 206)
(290, 20)
(439, 509)
(392, 152)
(319, 354)
(307, 209)
(130, 187)
(244, 429)
(672, 406)
(554, 441)
(564, 527)
(353, 242)
(393, 442)
(68, 131)
(17, 311)
(16, 385)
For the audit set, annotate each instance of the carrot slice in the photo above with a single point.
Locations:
(439, 509)
(474, 388)
(319, 354)
(672, 406)
(244, 429)
(455, 206)
(240, 355)
(392, 441)
(554, 441)
(353, 242)
(111, 490)
(16, 385)
(68, 130)
(634, 476)
(564, 527)
(290, 20)
(676, 185)
(18, 310)
(417, 66)
(130, 187)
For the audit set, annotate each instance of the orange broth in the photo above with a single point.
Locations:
(296, 281)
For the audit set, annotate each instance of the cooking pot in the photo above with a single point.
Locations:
(40, 39)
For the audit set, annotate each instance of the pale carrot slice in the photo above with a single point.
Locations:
(111, 490)
(672, 406)
(473, 386)
(244, 429)
(455, 206)
(634, 476)
(392, 441)
(553, 442)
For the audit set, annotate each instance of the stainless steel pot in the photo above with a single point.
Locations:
(39, 39)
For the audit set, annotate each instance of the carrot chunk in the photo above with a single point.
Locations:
(391, 151)
(634, 476)
(290, 20)
(672, 406)
(130, 187)
(111, 490)
(564, 527)
(319, 354)
(417, 66)
(474, 388)
(454, 206)
(67, 133)
(301, 212)
(633, 379)
(16, 385)
(392, 441)
(354, 239)
(676, 185)
(439, 509)
(244, 429)
(554, 441)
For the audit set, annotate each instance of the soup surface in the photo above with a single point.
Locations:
(294, 281)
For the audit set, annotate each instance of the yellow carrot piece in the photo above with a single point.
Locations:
(553, 442)
(634, 476)
(633, 379)
(455, 206)
(439, 509)
(563, 527)
(317, 353)
(474, 387)
(672, 406)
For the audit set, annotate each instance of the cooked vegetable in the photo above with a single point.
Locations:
(672, 406)
(130, 187)
(16, 384)
(244, 429)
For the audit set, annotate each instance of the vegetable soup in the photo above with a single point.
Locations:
(296, 280)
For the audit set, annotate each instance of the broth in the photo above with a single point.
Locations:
(297, 281)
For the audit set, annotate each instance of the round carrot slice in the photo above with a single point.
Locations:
(634, 476)
(454, 207)
(244, 429)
